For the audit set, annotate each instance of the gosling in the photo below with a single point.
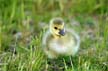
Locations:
(59, 41)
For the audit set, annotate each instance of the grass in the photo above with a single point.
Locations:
(22, 25)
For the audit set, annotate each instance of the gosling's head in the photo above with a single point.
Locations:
(57, 27)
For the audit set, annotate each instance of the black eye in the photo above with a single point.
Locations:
(55, 27)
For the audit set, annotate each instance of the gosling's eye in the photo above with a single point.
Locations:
(55, 27)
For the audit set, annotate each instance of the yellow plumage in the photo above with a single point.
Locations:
(60, 41)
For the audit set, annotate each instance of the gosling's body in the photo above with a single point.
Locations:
(56, 45)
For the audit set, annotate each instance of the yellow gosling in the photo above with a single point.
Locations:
(59, 40)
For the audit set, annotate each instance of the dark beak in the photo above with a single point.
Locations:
(62, 32)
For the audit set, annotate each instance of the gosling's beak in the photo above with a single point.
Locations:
(62, 32)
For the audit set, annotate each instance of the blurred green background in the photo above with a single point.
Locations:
(22, 23)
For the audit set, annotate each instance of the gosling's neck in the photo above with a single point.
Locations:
(56, 36)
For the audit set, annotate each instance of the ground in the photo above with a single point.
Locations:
(23, 22)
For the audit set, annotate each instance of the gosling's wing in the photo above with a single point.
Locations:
(44, 39)
(47, 39)
(75, 35)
